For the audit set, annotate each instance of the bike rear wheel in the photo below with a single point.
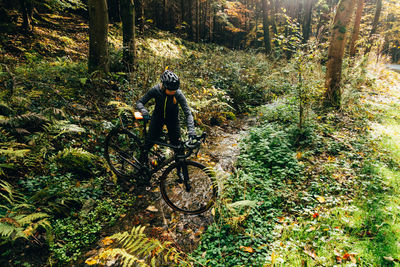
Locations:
(122, 151)
(194, 197)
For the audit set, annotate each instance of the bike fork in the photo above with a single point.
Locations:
(182, 170)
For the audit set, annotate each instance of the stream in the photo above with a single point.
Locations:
(395, 67)
(220, 151)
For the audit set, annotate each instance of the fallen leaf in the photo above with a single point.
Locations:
(310, 252)
(281, 219)
(353, 259)
(107, 241)
(273, 257)
(152, 208)
(321, 199)
(91, 261)
(247, 249)
(299, 155)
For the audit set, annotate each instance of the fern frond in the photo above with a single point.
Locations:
(24, 219)
(138, 245)
(64, 126)
(54, 112)
(7, 230)
(30, 122)
(5, 109)
(14, 153)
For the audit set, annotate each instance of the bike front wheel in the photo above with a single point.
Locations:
(122, 151)
(188, 187)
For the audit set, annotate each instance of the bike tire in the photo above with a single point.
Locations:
(122, 150)
(203, 190)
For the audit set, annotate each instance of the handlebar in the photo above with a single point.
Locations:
(195, 143)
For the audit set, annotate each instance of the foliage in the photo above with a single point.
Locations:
(75, 160)
(18, 218)
(137, 249)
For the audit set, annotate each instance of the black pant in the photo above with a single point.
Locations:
(155, 130)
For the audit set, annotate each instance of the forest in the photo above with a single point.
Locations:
(295, 103)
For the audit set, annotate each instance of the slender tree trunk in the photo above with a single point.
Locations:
(164, 15)
(374, 25)
(27, 12)
(190, 18)
(356, 29)
(211, 25)
(98, 33)
(197, 20)
(113, 11)
(332, 94)
(307, 20)
(183, 10)
(128, 33)
(267, 41)
(139, 10)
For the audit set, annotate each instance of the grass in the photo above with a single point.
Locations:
(365, 230)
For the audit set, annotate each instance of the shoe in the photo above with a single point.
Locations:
(180, 178)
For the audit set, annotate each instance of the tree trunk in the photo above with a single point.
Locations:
(197, 20)
(183, 11)
(211, 25)
(139, 10)
(165, 24)
(374, 25)
(128, 33)
(335, 53)
(190, 18)
(356, 29)
(307, 20)
(27, 12)
(267, 41)
(98, 33)
(113, 11)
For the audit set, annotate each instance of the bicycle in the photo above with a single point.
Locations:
(186, 186)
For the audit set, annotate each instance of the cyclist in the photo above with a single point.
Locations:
(167, 96)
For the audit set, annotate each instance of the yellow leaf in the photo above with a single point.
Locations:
(107, 241)
(273, 257)
(321, 199)
(91, 261)
(247, 249)
(152, 208)
(299, 155)
(213, 211)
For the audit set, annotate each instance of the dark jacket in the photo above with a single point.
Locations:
(166, 108)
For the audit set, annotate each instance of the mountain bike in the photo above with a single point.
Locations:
(186, 186)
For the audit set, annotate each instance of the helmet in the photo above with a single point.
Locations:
(170, 80)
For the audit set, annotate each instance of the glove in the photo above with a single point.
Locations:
(192, 137)
(145, 114)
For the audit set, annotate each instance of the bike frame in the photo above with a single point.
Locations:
(177, 157)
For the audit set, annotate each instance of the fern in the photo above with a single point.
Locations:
(5, 109)
(138, 249)
(19, 219)
(26, 123)
(63, 126)
(75, 159)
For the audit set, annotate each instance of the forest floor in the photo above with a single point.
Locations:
(184, 231)
(345, 210)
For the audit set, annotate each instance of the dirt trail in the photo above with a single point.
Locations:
(184, 230)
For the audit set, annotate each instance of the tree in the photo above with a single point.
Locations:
(307, 20)
(27, 13)
(128, 32)
(374, 25)
(356, 28)
(98, 33)
(267, 40)
(335, 53)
